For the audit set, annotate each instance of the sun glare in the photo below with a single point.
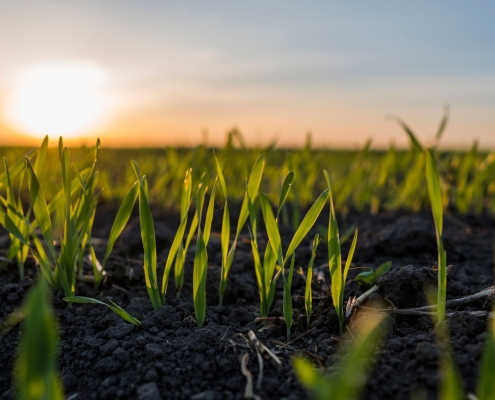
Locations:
(58, 99)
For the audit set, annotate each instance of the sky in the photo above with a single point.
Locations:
(154, 73)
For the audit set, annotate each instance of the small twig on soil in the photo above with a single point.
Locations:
(86, 278)
(248, 392)
(260, 373)
(356, 302)
(120, 288)
(299, 337)
(265, 351)
(7, 260)
(460, 301)
(318, 359)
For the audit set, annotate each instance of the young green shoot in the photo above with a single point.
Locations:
(287, 296)
(179, 248)
(308, 295)
(435, 194)
(201, 255)
(338, 276)
(148, 238)
(276, 252)
(228, 253)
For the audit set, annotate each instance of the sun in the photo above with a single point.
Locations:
(63, 99)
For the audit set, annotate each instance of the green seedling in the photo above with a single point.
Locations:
(276, 252)
(179, 247)
(308, 294)
(338, 276)
(201, 255)
(287, 296)
(264, 269)
(350, 377)
(36, 375)
(370, 276)
(228, 253)
(18, 251)
(148, 238)
(112, 306)
(435, 194)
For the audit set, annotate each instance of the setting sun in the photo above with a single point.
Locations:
(58, 99)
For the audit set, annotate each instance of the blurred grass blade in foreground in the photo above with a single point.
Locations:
(35, 373)
(353, 368)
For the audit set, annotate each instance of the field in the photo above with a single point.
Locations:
(243, 272)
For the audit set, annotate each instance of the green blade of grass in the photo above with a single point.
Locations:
(350, 256)
(434, 191)
(149, 246)
(415, 144)
(16, 168)
(40, 208)
(114, 307)
(308, 294)
(285, 191)
(121, 219)
(349, 379)
(255, 178)
(307, 222)
(435, 195)
(148, 239)
(199, 280)
(287, 297)
(174, 248)
(41, 157)
(185, 198)
(272, 228)
(209, 215)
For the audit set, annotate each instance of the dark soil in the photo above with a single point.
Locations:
(170, 357)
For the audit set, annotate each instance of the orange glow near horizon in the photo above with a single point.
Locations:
(58, 99)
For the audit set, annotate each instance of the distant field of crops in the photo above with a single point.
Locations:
(365, 179)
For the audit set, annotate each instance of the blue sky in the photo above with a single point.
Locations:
(272, 68)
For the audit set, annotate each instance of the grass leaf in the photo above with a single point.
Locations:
(114, 307)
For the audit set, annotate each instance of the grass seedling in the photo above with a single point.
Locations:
(36, 374)
(179, 248)
(114, 307)
(77, 218)
(18, 250)
(435, 194)
(228, 253)
(338, 276)
(287, 296)
(276, 252)
(148, 238)
(350, 377)
(201, 255)
(308, 294)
